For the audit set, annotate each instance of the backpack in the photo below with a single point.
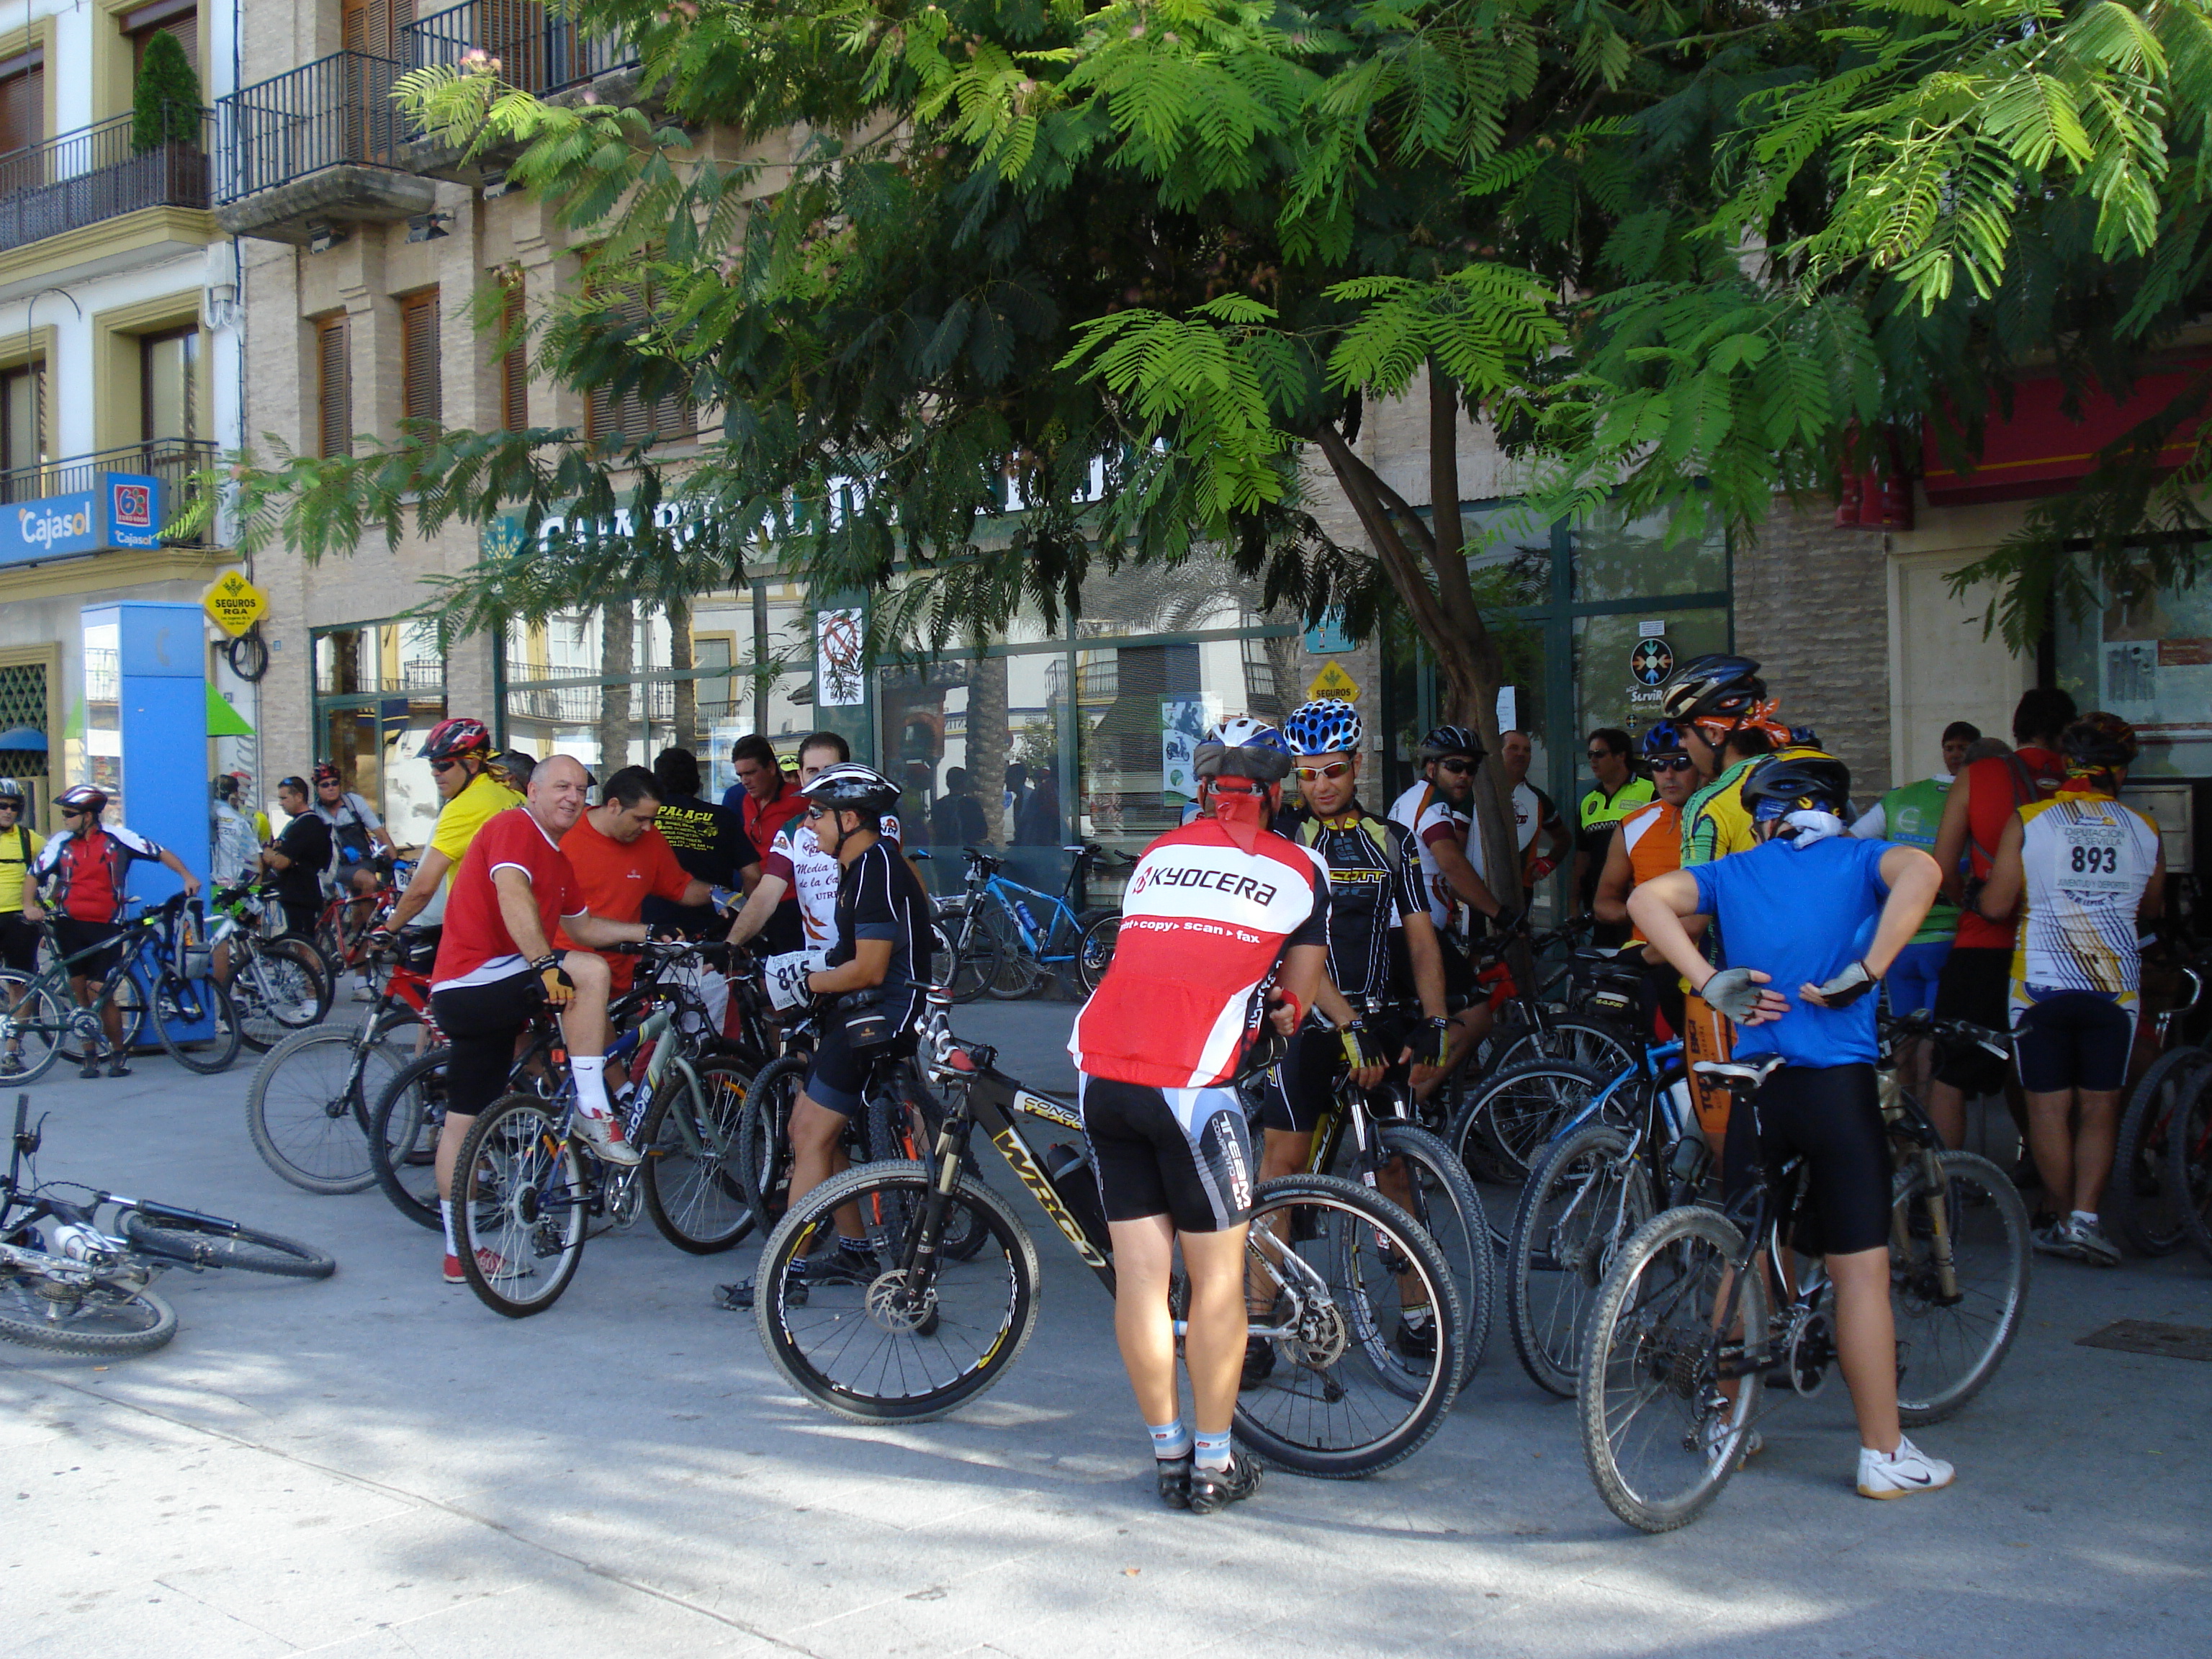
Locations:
(2026, 790)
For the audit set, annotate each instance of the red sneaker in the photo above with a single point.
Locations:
(490, 1263)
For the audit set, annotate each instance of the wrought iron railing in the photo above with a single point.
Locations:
(539, 50)
(335, 111)
(178, 463)
(99, 172)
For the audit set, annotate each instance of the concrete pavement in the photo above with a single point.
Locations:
(378, 1465)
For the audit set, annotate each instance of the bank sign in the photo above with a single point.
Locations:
(124, 511)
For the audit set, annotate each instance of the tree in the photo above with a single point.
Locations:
(165, 107)
(1678, 261)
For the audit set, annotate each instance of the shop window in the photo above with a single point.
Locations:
(1626, 559)
(2150, 663)
(179, 18)
(419, 389)
(333, 387)
(380, 688)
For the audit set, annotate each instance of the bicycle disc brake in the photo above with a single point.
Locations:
(897, 1308)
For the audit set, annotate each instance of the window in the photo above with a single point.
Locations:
(168, 385)
(23, 102)
(376, 26)
(514, 361)
(22, 431)
(333, 387)
(638, 419)
(418, 356)
(179, 17)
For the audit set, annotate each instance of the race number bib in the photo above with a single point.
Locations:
(2093, 858)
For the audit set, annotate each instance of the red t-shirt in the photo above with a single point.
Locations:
(762, 821)
(615, 877)
(476, 947)
(1993, 795)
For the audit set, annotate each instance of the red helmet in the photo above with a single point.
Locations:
(326, 772)
(459, 736)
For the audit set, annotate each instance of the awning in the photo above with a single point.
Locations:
(224, 719)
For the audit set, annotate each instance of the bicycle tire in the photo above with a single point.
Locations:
(403, 1127)
(1586, 1181)
(1348, 1333)
(1990, 1251)
(248, 1249)
(2142, 1206)
(262, 1022)
(974, 961)
(844, 1314)
(308, 1113)
(1018, 973)
(1620, 1344)
(700, 1207)
(1536, 1096)
(128, 996)
(1463, 1237)
(1598, 1045)
(36, 1319)
(41, 1033)
(179, 1002)
(2189, 1159)
(1094, 951)
(902, 1123)
(764, 1138)
(515, 1171)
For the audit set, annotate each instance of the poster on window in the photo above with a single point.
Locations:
(1183, 721)
(840, 641)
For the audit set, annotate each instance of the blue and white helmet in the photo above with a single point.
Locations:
(1327, 726)
(1242, 747)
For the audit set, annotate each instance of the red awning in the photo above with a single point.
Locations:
(2040, 450)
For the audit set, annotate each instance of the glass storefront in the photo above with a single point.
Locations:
(380, 687)
(2151, 664)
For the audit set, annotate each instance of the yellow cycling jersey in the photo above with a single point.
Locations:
(18, 847)
(1715, 822)
(467, 813)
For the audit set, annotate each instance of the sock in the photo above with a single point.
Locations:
(1418, 1315)
(590, 1072)
(2087, 1218)
(1213, 1450)
(446, 1214)
(1170, 1440)
(857, 1246)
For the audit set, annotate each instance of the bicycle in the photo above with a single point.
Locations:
(1680, 1345)
(930, 1333)
(2142, 1204)
(279, 984)
(161, 972)
(347, 920)
(1007, 938)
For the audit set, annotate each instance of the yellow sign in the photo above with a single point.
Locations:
(1333, 682)
(235, 604)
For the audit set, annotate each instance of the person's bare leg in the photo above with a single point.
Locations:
(1866, 1344)
(1144, 1262)
(2051, 1141)
(1214, 1347)
(2093, 1145)
(1286, 1151)
(1946, 1110)
(584, 1020)
(451, 1133)
(818, 1153)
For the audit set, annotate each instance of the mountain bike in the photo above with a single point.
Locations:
(2143, 1203)
(1008, 939)
(1682, 1344)
(279, 984)
(163, 973)
(930, 1333)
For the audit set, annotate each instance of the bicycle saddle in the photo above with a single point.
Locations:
(1740, 1075)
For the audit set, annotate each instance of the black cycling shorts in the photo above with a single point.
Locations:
(1976, 986)
(1459, 971)
(482, 1022)
(2076, 1040)
(19, 943)
(1295, 1093)
(837, 1077)
(1183, 1153)
(74, 936)
(1830, 1116)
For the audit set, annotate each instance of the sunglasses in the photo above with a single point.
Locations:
(1237, 787)
(10, 806)
(1332, 771)
(1674, 763)
(72, 811)
(1604, 754)
(1458, 768)
(442, 767)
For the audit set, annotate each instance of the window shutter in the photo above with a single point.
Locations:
(514, 361)
(418, 362)
(23, 106)
(334, 387)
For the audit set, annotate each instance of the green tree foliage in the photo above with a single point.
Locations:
(164, 105)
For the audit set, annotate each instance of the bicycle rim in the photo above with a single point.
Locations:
(2189, 1159)
(975, 958)
(2142, 1204)
(1659, 1437)
(763, 1139)
(283, 988)
(403, 1129)
(520, 1195)
(1949, 1347)
(1094, 954)
(33, 1025)
(1450, 1209)
(1017, 974)
(1585, 1199)
(689, 1138)
(98, 1319)
(181, 1005)
(911, 1345)
(307, 1104)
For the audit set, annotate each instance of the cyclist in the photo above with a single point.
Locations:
(2086, 872)
(622, 862)
(497, 967)
(1619, 790)
(764, 798)
(298, 857)
(88, 862)
(1650, 844)
(1223, 921)
(20, 845)
(794, 902)
(512, 768)
(1533, 814)
(881, 944)
(709, 841)
(459, 753)
(232, 843)
(362, 844)
(1809, 920)
(1437, 814)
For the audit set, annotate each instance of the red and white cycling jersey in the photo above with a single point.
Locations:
(1204, 924)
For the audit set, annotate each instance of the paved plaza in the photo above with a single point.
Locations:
(378, 1465)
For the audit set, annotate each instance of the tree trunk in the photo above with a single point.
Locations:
(617, 655)
(989, 740)
(680, 659)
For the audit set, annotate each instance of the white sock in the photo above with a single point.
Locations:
(590, 1072)
(445, 1215)
(1210, 1452)
(2087, 1218)
(1170, 1440)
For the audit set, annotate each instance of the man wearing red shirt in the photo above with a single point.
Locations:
(621, 859)
(1977, 979)
(497, 967)
(763, 795)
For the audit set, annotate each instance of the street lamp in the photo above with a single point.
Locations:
(37, 379)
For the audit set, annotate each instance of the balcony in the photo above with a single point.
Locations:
(176, 462)
(538, 50)
(323, 142)
(96, 173)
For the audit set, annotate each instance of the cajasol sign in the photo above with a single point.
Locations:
(123, 511)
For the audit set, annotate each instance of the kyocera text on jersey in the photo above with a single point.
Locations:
(1231, 883)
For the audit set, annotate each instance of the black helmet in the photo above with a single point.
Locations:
(1800, 780)
(849, 787)
(1715, 686)
(1451, 740)
(2099, 742)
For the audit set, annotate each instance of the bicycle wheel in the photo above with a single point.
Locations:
(129, 996)
(689, 1140)
(1588, 1195)
(307, 1109)
(225, 1244)
(1659, 1435)
(1948, 1347)
(2142, 1206)
(180, 1005)
(403, 1127)
(1448, 1209)
(902, 1123)
(35, 1028)
(1349, 1393)
(1094, 951)
(764, 1137)
(912, 1345)
(520, 1199)
(1502, 1127)
(41, 1312)
(1604, 1047)
(283, 986)
(1018, 973)
(975, 958)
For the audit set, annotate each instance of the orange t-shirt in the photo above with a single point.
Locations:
(615, 877)
(1653, 836)
(1993, 795)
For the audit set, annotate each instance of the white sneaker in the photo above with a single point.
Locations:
(603, 1135)
(1902, 1473)
(1716, 1436)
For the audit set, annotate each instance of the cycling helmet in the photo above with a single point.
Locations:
(1662, 742)
(327, 772)
(2099, 742)
(1803, 779)
(457, 736)
(1243, 747)
(516, 766)
(1327, 725)
(1804, 737)
(788, 765)
(849, 787)
(1715, 686)
(1451, 740)
(84, 797)
(10, 790)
